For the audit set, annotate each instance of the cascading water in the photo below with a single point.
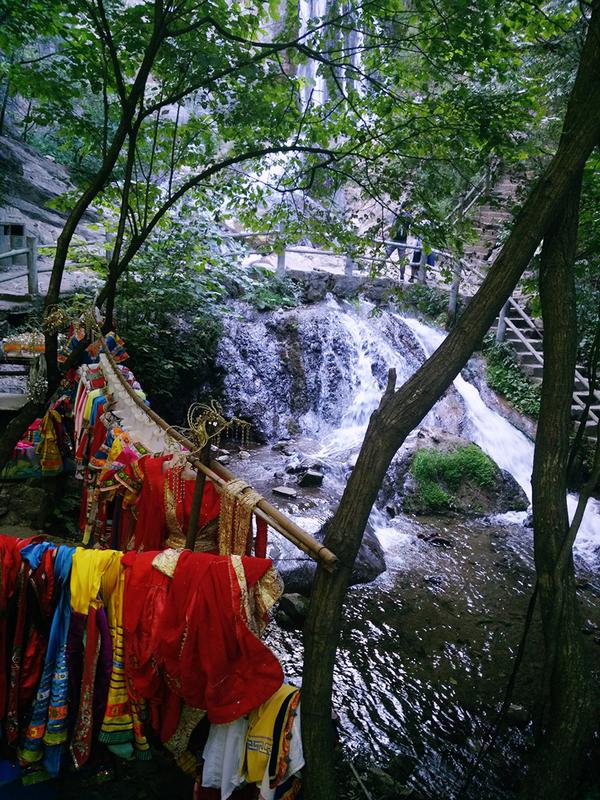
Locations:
(426, 648)
(315, 87)
(509, 448)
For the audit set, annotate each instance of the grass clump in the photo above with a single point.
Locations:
(438, 474)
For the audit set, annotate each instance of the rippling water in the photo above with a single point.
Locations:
(427, 649)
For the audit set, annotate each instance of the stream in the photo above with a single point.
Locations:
(427, 648)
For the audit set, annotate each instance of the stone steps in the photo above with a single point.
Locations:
(523, 335)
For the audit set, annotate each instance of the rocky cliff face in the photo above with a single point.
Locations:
(30, 184)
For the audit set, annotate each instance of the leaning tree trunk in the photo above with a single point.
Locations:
(128, 114)
(399, 411)
(565, 718)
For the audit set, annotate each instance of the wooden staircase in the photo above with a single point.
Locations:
(523, 334)
(526, 338)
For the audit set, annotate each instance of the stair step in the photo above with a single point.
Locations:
(12, 373)
(12, 402)
(533, 370)
(528, 358)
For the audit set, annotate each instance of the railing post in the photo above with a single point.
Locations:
(348, 264)
(454, 294)
(421, 274)
(501, 329)
(32, 267)
(281, 268)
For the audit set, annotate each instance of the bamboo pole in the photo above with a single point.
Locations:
(220, 476)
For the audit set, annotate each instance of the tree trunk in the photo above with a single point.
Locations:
(564, 721)
(27, 415)
(64, 240)
(400, 411)
(129, 106)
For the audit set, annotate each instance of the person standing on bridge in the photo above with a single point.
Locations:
(399, 236)
(420, 262)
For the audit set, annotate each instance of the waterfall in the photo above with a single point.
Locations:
(509, 448)
(419, 642)
(315, 87)
(319, 372)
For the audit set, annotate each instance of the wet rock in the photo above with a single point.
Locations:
(244, 454)
(517, 715)
(284, 621)
(310, 478)
(298, 569)
(294, 606)
(282, 447)
(299, 464)
(278, 474)
(465, 495)
(285, 491)
(385, 787)
(589, 627)
(224, 459)
(441, 541)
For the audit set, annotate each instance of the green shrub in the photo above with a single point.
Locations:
(454, 467)
(438, 474)
(505, 376)
(266, 291)
(432, 497)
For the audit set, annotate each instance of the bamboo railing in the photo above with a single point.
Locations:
(220, 476)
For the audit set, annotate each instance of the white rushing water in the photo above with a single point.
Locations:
(509, 448)
(315, 88)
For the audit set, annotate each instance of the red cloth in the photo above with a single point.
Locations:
(144, 601)
(81, 741)
(260, 544)
(20, 674)
(151, 528)
(151, 525)
(40, 618)
(211, 658)
(10, 564)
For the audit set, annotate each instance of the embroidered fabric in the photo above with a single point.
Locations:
(166, 561)
(189, 719)
(235, 522)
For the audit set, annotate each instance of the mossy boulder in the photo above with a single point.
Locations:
(443, 474)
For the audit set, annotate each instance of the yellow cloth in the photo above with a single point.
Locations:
(259, 740)
(86, 576)
(47, 450)
(87, 409)
(121, 726)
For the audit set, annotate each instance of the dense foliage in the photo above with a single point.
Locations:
(505, 375)
(173, 303)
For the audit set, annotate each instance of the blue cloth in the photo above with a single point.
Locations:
(47, 727)
(33, 553)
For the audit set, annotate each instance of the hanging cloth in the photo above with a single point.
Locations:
(47, 728)
(86, 577)
(29, 639)
(267, 738)
(210, 656)
(235, 520)
(122, 727)
(48, 450)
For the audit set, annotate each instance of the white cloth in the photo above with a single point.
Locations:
(224, 755)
